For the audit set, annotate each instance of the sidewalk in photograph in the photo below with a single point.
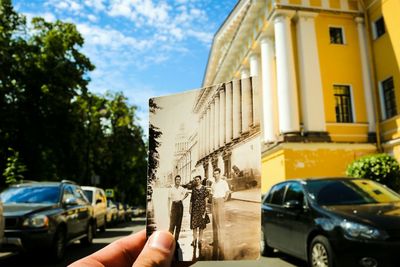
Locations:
(251, 195)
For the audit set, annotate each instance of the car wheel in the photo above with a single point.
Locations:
(58, 246)
(265, 249)
(320, 253)
(88, 239)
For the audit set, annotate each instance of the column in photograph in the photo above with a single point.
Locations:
(268, 89)
(286, 77)
(236, 109)
(216, 120)
(366, 74)
(228, 112)
(201, 145)
(247, 109)
(312, 105)
(208, 147)
(200, 136)
(254, 69)
(222, 110)
(212, 125)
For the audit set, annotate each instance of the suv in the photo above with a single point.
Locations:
(46, 215)
(97, 197)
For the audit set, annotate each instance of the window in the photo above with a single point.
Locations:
(276, 195)
(388, 98)
(336, 35)
(344, 111)
(379, 28)
(294, 193)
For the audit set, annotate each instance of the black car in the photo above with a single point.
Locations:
(333, 222)
(46, 216)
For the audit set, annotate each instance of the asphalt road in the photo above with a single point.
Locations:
(76, 251)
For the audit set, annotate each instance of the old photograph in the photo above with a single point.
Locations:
(204, 175)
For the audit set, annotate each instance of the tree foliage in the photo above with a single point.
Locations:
(154, 143)
(47, 114)
(382, 168)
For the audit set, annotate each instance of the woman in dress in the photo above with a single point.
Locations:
(197, 209)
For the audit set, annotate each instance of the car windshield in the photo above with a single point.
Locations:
(89, 195)
(35, 194)
(349, 192)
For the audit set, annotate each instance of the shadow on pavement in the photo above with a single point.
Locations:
(289, 259)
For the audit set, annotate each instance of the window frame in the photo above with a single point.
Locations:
(353, 107)
(384, 114)
(343, 34)
(272, 192)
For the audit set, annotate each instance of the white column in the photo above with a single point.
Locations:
(366, 73)
(216, 121)
(208, 130)
(203, 136)
(212, 125)
(236, 118)
(268, 89)
(222, 123)
(312, 105)
(286, 77)
(228, 112)
(199, 137)
(247, 109)
(254, 69)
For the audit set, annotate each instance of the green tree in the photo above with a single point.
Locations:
(382, 168)
(154, 135)
(13, 173)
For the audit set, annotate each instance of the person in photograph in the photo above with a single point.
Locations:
(176, 195)
(220, 192)
(197, 210)
(206, 182)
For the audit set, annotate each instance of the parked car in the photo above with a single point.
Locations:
(121, 212)
(97, 197)
(128, 212)
(333, 222)
(112, 212)
(46, 216)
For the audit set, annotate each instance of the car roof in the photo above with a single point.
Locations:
(328, 178)
(42, 183)
(91, 188)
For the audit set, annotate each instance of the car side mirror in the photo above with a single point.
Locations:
(98, 201)
(71, 201)
(293, 205)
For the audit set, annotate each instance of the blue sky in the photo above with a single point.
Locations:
(143, 48)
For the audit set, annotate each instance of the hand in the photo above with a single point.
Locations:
(133, 250)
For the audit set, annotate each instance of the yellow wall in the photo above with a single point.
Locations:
(348, 132)
(340, 64)
(386, 50)
(309, 160)
(315, 3)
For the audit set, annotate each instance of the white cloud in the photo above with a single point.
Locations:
(96, 4)
(92, 18)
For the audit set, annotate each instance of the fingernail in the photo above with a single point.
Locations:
(162, 241)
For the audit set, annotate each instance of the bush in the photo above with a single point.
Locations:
(382, 168)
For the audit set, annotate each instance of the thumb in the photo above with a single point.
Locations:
(158, 251)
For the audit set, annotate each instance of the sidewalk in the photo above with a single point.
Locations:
(250, 195)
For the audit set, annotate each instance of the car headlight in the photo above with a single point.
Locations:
(36, 221)
(361, 231)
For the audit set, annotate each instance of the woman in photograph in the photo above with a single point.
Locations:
(197, 210)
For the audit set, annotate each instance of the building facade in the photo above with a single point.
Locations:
(327, 75)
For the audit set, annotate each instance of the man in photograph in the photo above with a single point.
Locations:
(175, 197)
(220, 193)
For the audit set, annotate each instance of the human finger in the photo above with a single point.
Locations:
(120, 253)
(158, 251)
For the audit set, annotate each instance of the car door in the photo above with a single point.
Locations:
(272, 215)
(295, 221)
(84, 210)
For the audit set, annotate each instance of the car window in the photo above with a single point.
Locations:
(276, 195)
(27, 194)
(294, 193)
(80, 196)
(89, 195)
(68, 193)
(349, 192)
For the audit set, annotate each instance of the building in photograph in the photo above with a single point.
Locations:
(229, 128)
(327, 73)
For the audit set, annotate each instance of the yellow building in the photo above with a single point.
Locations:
(327, 73)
